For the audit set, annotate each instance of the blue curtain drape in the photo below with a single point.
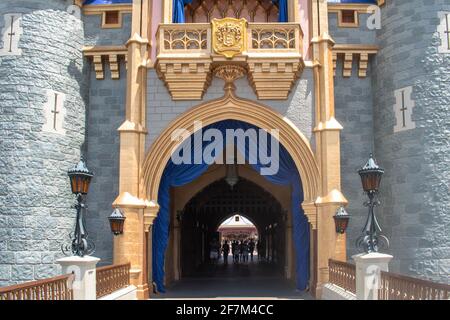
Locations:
(282, 9)
(179, 175)
(178, 10)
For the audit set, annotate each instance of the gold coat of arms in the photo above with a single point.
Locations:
(229, 36)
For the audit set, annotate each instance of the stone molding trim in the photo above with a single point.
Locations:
(102, 10)
(359, 7)
(100, 55)
(271, 54)
(348, 53)
(225, 108)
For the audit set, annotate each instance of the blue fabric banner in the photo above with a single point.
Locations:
(178, 10)
(282, 10)
(179, 175)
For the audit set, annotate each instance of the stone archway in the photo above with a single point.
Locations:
(232, 108)
(142, 210)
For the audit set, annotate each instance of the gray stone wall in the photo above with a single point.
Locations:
(35, 197)
(415, 211)
(95, 35)
(354, 111)
(162, 109)
(106, 112)
(351, 35)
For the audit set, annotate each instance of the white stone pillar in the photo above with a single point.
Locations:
(368, 274)
(85, 283)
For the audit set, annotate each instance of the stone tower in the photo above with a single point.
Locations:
(42, 129)
(412, 134)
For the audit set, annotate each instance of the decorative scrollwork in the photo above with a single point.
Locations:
(372, 240)
(185, 39)
(229, 73)
(229, 36)
(79, 245)
(273, 38)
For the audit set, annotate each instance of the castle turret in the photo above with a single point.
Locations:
(42, 129)
(411, 126)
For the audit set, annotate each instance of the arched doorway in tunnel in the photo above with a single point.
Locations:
(168, 264)
(237, 228)
(202, 216)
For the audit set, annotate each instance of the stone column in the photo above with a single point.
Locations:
(368, 274)
(85, 283)
(327, 135)
(131, 246)
(43, 112)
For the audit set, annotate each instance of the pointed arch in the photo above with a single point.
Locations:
(232, 108)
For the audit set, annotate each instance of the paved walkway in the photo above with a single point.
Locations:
(251, 280)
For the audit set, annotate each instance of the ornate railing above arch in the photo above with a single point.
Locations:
(270, 52)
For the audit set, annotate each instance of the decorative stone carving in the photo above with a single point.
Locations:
(271, 54)
(349, 52)
(11, 32)
(229, 36)
(261, 11)
(111, 54)
(187, 79)
(273, 80)
(444, 31)
(54, 112)
(229, 72)
(403, 109)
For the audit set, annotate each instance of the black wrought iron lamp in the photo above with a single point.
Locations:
(341, 220)
(80, 179)
(117, 221)
(371, 239)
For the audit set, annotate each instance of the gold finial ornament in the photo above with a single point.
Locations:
(229, 36)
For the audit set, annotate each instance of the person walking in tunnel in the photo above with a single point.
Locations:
(225, 251)
(235, 251)
(251, 248)
(244, 251)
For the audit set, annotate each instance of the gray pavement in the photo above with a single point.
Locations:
(220, 281)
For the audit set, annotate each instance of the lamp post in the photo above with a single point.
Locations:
(371, 177)
(80, 178)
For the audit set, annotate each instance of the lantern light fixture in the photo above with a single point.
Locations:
(341, 220)
(80, 178)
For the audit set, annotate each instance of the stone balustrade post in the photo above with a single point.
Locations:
(85, 283)
(368, 274)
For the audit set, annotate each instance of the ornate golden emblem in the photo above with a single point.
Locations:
(229, 36)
